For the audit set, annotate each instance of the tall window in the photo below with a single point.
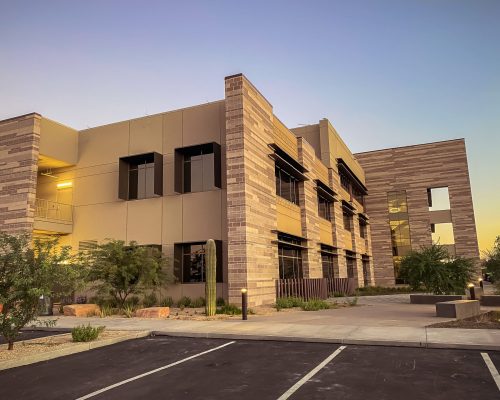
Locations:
(327, 265)
(199, 172)
(347, 220)
(287, 186)
(324, 208)
(197, 168)
(190, 263)
(351, 264)
(366, 270)
(140, 176)
(400, 228)
(141, 180)
(345, 181)
(289, 257)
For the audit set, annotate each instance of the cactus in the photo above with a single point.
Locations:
(210, 273)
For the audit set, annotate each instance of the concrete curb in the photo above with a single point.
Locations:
(359, 342)
(77, 348)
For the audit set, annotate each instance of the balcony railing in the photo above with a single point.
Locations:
(53, 211)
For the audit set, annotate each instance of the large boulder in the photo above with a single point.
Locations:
(153, 312)
(81, 310)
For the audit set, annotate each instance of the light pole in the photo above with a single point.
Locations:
(244, 304)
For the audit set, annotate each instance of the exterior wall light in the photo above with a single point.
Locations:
(481, 283)
(64, 185)
(244, 304)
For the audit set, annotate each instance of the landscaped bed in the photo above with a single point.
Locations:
(488, 320)
(45, 348)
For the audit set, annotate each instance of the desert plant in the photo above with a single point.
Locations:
(184, 302)
(314, 305)
(288, 302)
(198, 303)
(352, 302)
(119, 270)
(105, 311)
(129, 310)
(30, 270)
(220, 301)
(150, 300)
(167, 302)
(382, 290)
(436, 271)
(210, 278)
(229, 309)
(86, 333)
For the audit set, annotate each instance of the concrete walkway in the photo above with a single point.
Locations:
(375, 322)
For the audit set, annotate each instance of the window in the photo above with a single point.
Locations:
(324, 208)
(358, 195)
(287, 186)
(400, 228)
(362, 228)
(140, 176)
(351, 264)
(289, 257)
(442, 233)
(198, 168)
(366, 269)
(328, 260)
(347, 220)
(189, 262)
(345, 181)
(438, 199)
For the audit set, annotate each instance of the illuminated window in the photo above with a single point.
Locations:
(438, 199)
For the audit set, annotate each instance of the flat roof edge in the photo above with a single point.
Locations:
(412, 145)
(20, 116)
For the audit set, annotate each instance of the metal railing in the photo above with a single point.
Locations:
(314, 288)
(53, 211)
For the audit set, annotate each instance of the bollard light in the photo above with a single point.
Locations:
(472, 293)
(244, 304)
(481, 283)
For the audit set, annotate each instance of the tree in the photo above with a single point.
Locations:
(29, 270)
(433, 269)
(119, 270)
(492, 263)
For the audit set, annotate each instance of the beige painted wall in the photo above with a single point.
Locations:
(58, 141)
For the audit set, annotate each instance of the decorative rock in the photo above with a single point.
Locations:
(153, 312)
(81, 310)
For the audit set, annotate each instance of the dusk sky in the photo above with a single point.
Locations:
(385, 73)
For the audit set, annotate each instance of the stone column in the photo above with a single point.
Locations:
(251, 194)
(19, 149)
(338, 227)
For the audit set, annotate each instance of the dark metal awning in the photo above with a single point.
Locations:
(288, 163)
(325, 191)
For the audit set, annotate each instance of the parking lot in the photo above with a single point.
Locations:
(185, 368)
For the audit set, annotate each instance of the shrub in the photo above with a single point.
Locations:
(220, 302)
(167, 302)
(352, 302)
(229, 309)
(433, 269)
(184, 302)
(315, 305)
(198, 303)
(87, 333)
(129, 310)
(381, 290)
(492, 264)
(288, 302)
(150, 300)
(106, 311)
(133, 300)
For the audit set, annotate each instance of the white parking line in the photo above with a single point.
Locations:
(492, 368)
(311, 373)
(88, 396)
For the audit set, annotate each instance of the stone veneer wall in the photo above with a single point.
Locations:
(414, 169)
(251, 193)
(19, 147)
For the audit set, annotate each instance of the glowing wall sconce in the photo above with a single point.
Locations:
(64, 185)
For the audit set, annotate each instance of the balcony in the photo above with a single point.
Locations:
(52, 217)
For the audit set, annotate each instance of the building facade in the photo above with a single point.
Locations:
(419, 195)
(279, 203)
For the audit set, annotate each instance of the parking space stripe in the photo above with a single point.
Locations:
(311, 373)
(492, 368)
(97, 392)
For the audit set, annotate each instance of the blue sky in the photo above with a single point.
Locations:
(386, 73)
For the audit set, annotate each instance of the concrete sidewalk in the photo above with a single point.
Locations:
(410, 336)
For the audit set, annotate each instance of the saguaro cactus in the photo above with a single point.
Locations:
(210, 275)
